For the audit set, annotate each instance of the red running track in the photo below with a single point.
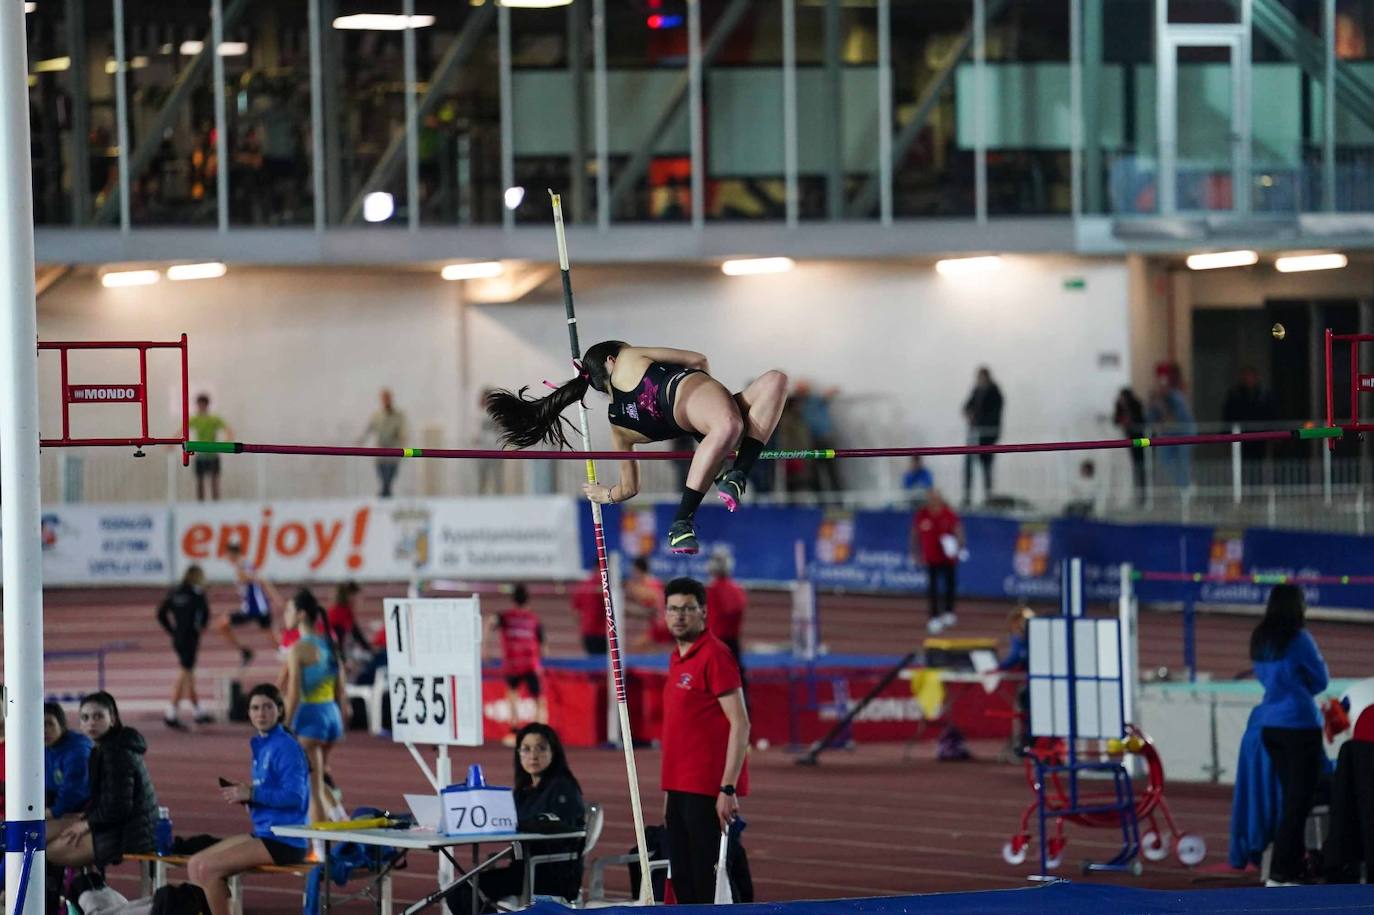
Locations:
(866, 822)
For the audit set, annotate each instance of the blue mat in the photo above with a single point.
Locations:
(1069, 897)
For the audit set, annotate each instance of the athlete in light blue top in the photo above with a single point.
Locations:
(314, 697)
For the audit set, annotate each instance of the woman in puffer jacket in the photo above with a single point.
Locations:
(122, 813)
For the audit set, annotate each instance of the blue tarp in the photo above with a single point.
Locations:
(869, 551)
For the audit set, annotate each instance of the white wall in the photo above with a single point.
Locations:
(900, 341)
(294, 355)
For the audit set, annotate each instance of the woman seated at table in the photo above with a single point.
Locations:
(548, 800)
(278, 796)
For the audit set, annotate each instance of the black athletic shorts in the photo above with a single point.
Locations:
(262, 619)
(186, 645)
(531, 681)
(206, 465)
(283, 854)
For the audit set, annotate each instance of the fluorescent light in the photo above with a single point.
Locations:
(192, 48)
(1297, 263)
(378, 206)
(472, 271)
(208, 271)
(514, 197)
(226, 48)
(534, 4)
(753, 266)
(968, 266)
(1219, 259)
(135, 63)
(30, 6)
(120, 278)
(52, 65)
(382, 22)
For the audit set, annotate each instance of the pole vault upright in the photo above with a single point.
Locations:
(19, 512)
(646, 886)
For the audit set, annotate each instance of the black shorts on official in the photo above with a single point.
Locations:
(206, 465)
(186, 647)
(262, 619)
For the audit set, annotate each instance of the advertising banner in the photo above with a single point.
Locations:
(105, 544)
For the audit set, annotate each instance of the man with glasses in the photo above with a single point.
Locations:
(705, 740)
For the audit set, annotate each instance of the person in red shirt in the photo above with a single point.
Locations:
(589, 606)
(705, 741)
(937, 540)
(522, 656)
(644, 600)
(342, 616)
(728, 602)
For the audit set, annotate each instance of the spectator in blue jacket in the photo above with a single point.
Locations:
(1291, 668)
(278, 796)
(66, 769)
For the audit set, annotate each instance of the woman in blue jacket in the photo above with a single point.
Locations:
(66, 769)
(278, 796)
(1291, 668)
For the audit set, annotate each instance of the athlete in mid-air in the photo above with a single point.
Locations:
(657, 394)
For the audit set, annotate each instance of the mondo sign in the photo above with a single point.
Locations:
(104, 393)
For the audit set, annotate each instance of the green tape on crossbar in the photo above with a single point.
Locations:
(414, 452)
(1140, 443)
(1321, 432)
(823, 454)
(211, 447)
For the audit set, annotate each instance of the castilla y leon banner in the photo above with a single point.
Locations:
(534, 538)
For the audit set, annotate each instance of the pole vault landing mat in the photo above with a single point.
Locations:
(1066, 896)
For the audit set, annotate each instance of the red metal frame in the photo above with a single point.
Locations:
(142, 346)
(1359, 383)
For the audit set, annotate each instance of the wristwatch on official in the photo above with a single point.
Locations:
(727, 790)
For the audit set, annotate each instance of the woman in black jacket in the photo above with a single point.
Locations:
(123, 810)
(548, 800)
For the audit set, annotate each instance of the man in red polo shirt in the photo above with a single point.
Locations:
(705, 739)
(937, 540)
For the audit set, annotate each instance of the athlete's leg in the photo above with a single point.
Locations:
(761, 404)
(705, 407)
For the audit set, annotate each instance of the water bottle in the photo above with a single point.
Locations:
(162, 834)
(475, 777)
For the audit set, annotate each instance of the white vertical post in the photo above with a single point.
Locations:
(121, 113)
(443, 774)
(1075, 587)
(698, 152)
(602, 116)
(885, 112)
(980, 142)
(1236, 481)
(1359, 511)
(1326, 475)
(1076, 106)
(412, 127)
(221, 118)
(1329, 106)
(1128, 621)
(317, 115)
(507, 124)
(789, 112)
(19, 477)
(1166, 115)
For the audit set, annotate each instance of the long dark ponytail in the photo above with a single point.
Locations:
(526, 421)
(308, 606)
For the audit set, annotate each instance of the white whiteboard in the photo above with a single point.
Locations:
(434, 662)
(1091, 668)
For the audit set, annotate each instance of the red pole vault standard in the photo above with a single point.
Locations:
(819, 454)
(119, 393)
(1360, 383)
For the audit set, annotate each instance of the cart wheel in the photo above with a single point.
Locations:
(1191, 849)
(1052, 862)
(1154, 846)
(1014, 852)
(1137, 868)
(1054, 852)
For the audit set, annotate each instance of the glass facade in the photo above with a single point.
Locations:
(799, 111)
